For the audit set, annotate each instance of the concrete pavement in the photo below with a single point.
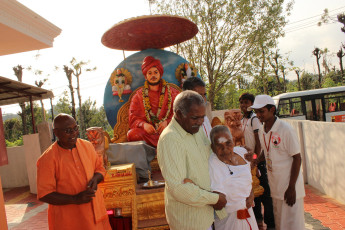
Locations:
(25, 212)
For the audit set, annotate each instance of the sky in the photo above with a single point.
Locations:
(83, 22)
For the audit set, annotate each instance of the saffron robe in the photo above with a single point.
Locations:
(137, 118)
(68, 171)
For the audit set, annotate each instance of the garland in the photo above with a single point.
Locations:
(150, 116)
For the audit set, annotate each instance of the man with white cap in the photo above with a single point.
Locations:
(282, 152)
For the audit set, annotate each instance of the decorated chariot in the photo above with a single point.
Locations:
(138, 102)
(133, 187)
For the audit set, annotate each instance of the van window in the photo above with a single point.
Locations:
(284, 107)
(296, 107)
(290, 107)
(335, 102)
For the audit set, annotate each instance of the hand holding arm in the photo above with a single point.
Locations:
(56, 198)
(250, 199)
(257, 148)
(95, 180)
(172, 161)
(221, 201)
(249, 155)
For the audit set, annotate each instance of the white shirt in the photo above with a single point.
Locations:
(248, 127)
(236, 186)
(279, 145)
(206, 126)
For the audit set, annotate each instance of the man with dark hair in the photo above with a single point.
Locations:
(250, 127)
(250, 123)
(68, 173)
(197, 85)
(282, 152)
(183, 152)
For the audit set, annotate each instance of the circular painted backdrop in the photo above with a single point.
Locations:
(131, 68)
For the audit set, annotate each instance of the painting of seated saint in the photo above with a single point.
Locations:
(151, 108)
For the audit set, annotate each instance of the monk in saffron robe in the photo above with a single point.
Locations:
(67, 176)
(151, 107)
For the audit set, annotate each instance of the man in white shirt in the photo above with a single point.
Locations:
(282, 152)
(250, 123)
(250, 126)
(197, 85)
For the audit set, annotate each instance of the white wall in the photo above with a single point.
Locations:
(324, 155)
(15, 173)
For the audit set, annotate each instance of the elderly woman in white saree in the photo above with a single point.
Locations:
(231, 175)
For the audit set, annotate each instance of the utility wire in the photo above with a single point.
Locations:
(289, 30)
(305, 24)
(315, 16)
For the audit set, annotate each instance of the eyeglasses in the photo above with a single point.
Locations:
(70, 130)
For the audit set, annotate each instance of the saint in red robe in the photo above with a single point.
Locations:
(137, 116)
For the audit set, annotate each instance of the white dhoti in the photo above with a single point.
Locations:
(233, 223)
(286, 217)
(236, 183)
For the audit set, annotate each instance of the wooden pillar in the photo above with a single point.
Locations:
(51, 105)
(32, 116)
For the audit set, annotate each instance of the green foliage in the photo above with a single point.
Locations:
(94, 117)
(63, 105)
(13, 129)
(227, 97)
(309, 81)
(335, 76)
(231, 33)
(18, 142)
(37, 115)
(328, 82)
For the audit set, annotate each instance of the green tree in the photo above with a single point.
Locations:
(333, 76)
(297, 71)
(328, 82)
(77, 68)
(274, 63)
(94, 117)
(229, 32)
(37, 113)
(63, 105)
(317, 53)
(39, 84)
(309, 81)
(340, 55)
(327, 18)
(18, 71)
(13, 129)
(68, 71)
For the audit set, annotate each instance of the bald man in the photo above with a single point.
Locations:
(68, 173)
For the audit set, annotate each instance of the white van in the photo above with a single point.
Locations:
(327, 104)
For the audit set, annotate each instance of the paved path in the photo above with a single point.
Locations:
(25, 212)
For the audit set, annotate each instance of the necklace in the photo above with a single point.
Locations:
(150, 116)
(231, 172)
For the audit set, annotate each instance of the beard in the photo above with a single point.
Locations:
(154, 83)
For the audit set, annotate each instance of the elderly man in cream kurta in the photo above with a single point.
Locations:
(183, 152)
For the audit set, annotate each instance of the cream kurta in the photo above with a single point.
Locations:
(182, 155)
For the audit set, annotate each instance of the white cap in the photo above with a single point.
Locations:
(261, 101)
